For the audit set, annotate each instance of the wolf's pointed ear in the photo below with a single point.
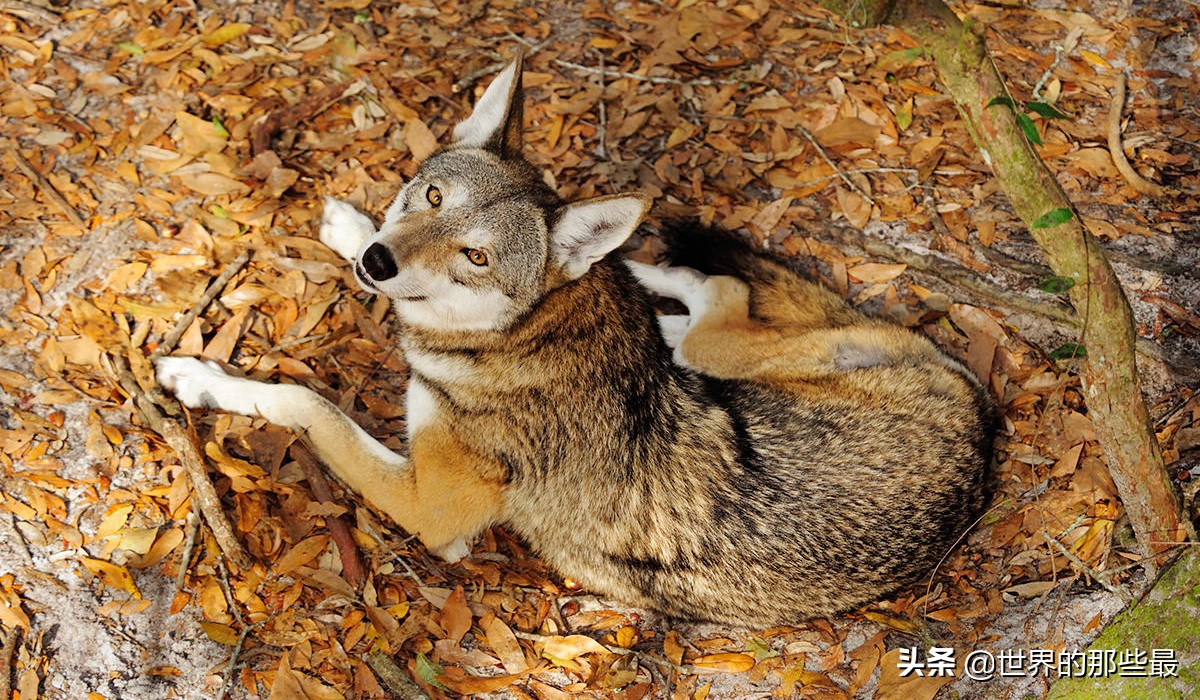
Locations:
(587, 231)
(496, 122)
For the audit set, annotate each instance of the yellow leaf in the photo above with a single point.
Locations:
(724, 663)
(212, 184)
(112, 575)
(304, 552)
(502, 641)
(221, 634)
(875, 273)
(227, 33)
(198, 136)
(1094, 59)
(603, 42)
(856, 207)
(672, 648)
(568, 648)
(138, 539)
(114, 521)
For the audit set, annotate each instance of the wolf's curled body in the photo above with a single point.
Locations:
(772, 455)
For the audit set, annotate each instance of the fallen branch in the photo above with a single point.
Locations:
(264, 130)
(47, 188)
(203, 492)
(1109, 372)
(656, 80)
(1131, 176)
(339, 530)
(395, 678)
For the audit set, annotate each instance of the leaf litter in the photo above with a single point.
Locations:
(148, 144)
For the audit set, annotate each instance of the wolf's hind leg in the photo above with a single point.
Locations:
(344, 229)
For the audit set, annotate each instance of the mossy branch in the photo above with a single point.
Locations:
(1109, 372)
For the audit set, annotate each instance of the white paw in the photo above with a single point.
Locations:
(191, 380)
(344, 228)
(454, 551)
(682, 283)
(673, 328)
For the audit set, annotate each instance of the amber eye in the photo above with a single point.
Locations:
(476, 256)
(434, 195)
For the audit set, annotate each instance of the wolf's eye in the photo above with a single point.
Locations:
(434, 195)
(476, 256)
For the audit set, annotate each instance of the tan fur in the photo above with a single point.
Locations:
(790, 458)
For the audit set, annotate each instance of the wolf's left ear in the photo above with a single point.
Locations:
(587, 231)
(496, 122)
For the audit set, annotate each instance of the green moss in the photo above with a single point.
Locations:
(1168, 618)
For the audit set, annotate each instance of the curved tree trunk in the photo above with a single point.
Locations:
(1109, 372)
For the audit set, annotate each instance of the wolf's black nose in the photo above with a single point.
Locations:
(379, 263)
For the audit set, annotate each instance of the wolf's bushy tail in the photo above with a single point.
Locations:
(779, 294)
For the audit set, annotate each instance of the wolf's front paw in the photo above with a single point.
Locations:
(190, 379)
(344, 228)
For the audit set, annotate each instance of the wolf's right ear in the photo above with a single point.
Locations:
(496, 122)
(587, 231)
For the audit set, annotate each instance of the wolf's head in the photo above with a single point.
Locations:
(476, 239)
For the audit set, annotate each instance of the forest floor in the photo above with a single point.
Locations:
(146, 145)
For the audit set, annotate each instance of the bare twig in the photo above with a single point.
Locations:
(246, 629)
(1131, 176)
(171, 339)
(828, 161)
(339, 529)
(177, 438)
(46, 187)
(602, 149)
(657, 80)
(189, 547)
(395, 678)
(620, 651)
(1101, 577)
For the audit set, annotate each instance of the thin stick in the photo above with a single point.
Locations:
(621, 651)
(602, 149)
(171, 339)
(231, 668)
(339, 529)
(177, 438)
(1131, 176)
(189, 547)
(828, 161)
(1099, 576)
(46, 187)
(657, 80)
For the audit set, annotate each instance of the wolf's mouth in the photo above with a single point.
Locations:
(363, 279)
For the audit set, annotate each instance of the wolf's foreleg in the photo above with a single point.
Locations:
(344, 229)
(435, 496)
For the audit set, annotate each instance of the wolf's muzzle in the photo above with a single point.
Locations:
(378, 263)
